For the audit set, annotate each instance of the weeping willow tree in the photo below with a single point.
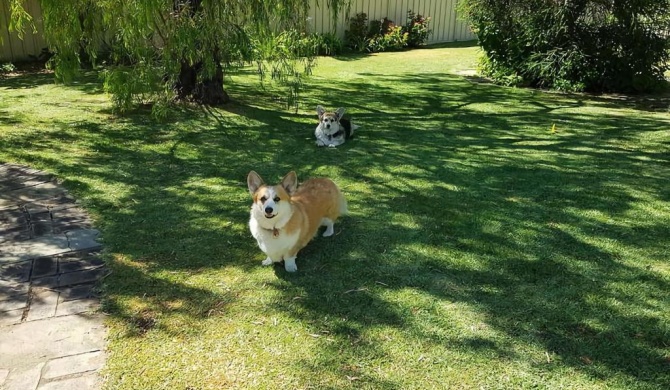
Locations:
(162, 51)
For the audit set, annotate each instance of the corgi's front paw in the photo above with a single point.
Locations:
(289, 265)
(267, 261)
(320, 143)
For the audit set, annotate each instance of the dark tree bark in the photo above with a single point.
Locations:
(189, 87)
(207, 91)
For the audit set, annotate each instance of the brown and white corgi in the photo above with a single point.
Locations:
(333, 128)
(285, 217)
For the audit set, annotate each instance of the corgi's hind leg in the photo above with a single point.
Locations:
(328, 223)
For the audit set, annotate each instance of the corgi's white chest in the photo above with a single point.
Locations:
(275, 243)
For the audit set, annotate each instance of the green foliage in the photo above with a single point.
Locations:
(385, 35)
(326, 44)
(159, 47)
(7, 67)
(577, 46)
(356, 37)
(393, 40)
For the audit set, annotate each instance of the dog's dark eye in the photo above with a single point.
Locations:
(263, 199)
(276, 199)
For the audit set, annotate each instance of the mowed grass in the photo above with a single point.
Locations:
(497, 238)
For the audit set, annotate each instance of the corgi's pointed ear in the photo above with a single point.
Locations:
(320, 110)
(254, 182)
(339, 113)
(290, 182)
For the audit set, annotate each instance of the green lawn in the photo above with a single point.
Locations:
(483, 249)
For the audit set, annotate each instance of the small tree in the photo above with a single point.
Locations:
(590, 45)
(162, 50)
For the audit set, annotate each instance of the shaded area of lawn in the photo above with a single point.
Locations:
(483, 248)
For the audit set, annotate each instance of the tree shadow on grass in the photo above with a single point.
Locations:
(455, 196)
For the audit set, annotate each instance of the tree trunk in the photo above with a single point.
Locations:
(209, 91)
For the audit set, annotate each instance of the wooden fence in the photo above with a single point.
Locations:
(445, 23)
(12, 48)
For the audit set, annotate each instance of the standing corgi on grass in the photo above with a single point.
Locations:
(285, 217)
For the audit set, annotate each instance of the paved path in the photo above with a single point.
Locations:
(51, 338)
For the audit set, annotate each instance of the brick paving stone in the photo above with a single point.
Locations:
(78, 264)
(81, 291)
(76, 307)
(45, 266)
(59, 202)
(36, 208)
(36, 341)
(14, 216)
(32, 194)
(11, 317)
(17, 271)
(43, 228)
(14, 303)
(83, 239)
(46, 282)
(49, 264)
(84, 382)
(81, 277)
(73, 364)
(9, 289)
(24, 379)
(43, 304)
(16, 233)
(36, 247)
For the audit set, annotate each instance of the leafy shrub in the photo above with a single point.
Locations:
(327, 44)
(580, 45)
(356, 37)
(394, 39)
(7, 67)
(384, 34)
(416, 29)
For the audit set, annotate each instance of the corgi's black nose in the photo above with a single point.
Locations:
(328, 126)
(268, 210)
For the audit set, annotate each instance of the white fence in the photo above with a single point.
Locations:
(445, 23)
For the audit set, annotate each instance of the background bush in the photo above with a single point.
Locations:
(578, 45)
(385, 35)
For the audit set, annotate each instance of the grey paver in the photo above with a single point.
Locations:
(51, 333)
(11, 317)
(77, 307)
(14, 303)
(37, 247)
(46, 282)
(24, 378)
(84, 382)
(16, 271)
(43, 304)
(38, 341)
(9, 289)
(32, 194)
(73, 364)
(44, 266)
(81, 291)
(83, 239)
(80, 277)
